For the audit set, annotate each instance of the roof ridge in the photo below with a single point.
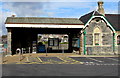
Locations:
(43, 17)
(94, 12)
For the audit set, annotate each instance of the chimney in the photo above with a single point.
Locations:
(100, 7)
(13, 15)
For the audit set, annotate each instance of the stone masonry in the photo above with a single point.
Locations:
(106, 46)
(9, 41)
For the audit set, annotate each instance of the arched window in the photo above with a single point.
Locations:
(118, 39)
(97, 37)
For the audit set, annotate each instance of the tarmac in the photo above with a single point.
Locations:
(60, 64)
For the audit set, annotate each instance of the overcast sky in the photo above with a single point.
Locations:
(61, 9)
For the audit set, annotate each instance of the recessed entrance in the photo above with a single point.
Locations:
(39, 39)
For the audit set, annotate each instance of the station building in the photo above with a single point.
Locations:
(94, 33)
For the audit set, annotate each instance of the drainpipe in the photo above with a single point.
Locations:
(114, 43)
(84, 41)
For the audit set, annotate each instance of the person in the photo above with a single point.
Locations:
(18, 50)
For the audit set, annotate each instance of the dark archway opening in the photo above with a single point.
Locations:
(25, 37)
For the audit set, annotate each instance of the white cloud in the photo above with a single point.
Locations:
(25, 8)
(62, 7)
(46, 9)
(59, 0)
(71, 5)
(4, 15)
(21, 9)
(39, 9)
(0, 21)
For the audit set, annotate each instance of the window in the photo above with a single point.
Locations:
(97, 37)
(53, 41)
(118, 39)
(97, 20)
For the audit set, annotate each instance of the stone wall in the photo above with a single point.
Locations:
(107, 39)
(9, 40)
(106, 46)
(99, 50)
(89, 39)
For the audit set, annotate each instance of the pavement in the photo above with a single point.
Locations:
(61, 58)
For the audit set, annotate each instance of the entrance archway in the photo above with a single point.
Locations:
(24, 37)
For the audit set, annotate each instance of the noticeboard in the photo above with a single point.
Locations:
(76, 42)
(53, 41)
(34, 46)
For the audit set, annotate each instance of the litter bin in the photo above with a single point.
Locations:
(41, 48)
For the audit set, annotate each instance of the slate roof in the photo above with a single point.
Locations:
(42, 20)
(86, 17)
(113, 19)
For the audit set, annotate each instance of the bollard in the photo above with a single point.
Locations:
(63, 50)
(22, 53)
(46, 51)
(28, 55)
(19, 56)
(29, 51)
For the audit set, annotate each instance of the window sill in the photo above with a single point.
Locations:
(96, 44)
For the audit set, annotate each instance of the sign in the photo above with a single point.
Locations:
(34, 47)
(76, 42)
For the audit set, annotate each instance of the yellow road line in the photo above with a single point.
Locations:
(23, 63)
(18, 63)
(39, 59)
(34, 62)
(75, 60)
(62, 59)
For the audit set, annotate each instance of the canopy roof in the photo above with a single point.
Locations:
(42, 20)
